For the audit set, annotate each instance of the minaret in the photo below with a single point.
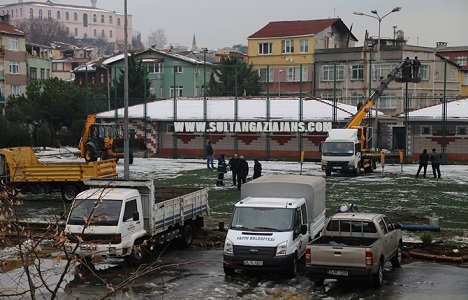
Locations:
(194, 44)
(93, 3)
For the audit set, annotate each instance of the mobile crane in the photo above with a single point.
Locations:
(105, 141)
(349, 149)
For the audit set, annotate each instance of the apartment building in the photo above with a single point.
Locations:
(458, 55)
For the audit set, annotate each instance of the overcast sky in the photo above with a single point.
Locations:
(221, 23)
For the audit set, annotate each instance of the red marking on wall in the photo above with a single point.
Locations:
(247, 138)
(439, 139)
(281, 139)
(186, 138)
(214, 138)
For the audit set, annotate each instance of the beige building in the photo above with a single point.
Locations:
(80, 21)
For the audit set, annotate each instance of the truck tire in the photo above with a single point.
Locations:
(292, 269)
(229, 271)
(69, 192)
(186, 236)
(396, 259)
(90, 154)
(137, 256)
(328, 172)
(377, 278)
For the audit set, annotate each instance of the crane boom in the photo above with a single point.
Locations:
(361, 114)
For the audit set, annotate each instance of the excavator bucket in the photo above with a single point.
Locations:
(135, 144)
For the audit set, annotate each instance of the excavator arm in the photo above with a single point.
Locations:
(361, 114)
(90, 120)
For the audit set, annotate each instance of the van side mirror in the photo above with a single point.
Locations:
(136, 216)
(303, 229)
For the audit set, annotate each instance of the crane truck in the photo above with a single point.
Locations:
(349, 149)
(106, 141)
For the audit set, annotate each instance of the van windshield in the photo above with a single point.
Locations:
(262, 219)
(338, 149)
(104, 213)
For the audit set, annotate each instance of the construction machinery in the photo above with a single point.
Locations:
(106, 141)
(350, 149)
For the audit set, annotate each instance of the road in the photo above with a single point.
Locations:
(198, 274)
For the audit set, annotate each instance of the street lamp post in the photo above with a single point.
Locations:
(279, 83)
(379, 18)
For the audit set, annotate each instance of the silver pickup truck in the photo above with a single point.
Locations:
(354, 246)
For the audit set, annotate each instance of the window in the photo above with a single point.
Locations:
(304, 46)
(21, 12)
(110, 33)
(33, 74)
(110, 20)
(85, 20)
(178, 90)
(31, 13)
(328, 73)
(15, 89)
(47, 73)
(426, 130)
(14, 44)
(356, 98)
(95, 32)
(14, 68)
(424, 70)
(155, 68)
(381, 71)
(42, 74)
(118, 21)
(102, 18)
(58, 15)
(465, 81)
(357, 72)
(461, 130)
(452, 74)
(40, 13)
(460, 60)
(294, 74)
(130, 208)
(67, 29)
(76, 31)
(177, 69)
(287, 46)
(266, 75)
(103, 33)
(387, 101)
(49, 14)
(94, 18)
(422, 100)
(265, 48)
(67, 16)
(75, 16)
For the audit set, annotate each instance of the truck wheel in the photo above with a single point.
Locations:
(130, 158)
(229, 271)
(187, 234)
(292, 271)
(138, 255)
(377, 278)
(69, 192)
(90, 154)
(327, 172)
(396, 260)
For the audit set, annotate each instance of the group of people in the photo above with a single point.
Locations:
(411, 68)
(237, 164)
(424, 159)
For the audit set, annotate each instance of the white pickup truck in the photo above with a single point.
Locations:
(125, 218)
(354, 246)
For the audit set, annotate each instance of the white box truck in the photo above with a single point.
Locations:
(341, 152)
(272, 224)
(121, 218)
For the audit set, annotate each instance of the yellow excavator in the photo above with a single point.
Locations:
(106, 141)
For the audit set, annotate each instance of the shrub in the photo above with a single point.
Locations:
(426, 238)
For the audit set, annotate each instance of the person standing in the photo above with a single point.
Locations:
(435, 162)
(221, 170)
(233, 162)
(416, 66)
(242, 172)
(209, 156)
(257, 169)
(407, 68)
(423, 161)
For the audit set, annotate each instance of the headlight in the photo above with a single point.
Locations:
(281, 248)
(228, 246)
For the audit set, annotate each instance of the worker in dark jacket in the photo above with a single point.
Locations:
(233, 162)
(423, 161)
(257, 169)
(222, 168)
(435, 161)
(242, 171)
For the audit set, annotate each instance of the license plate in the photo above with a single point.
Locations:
(253, 263)
(338, 272)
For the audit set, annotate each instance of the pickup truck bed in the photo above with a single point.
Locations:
(344, 241)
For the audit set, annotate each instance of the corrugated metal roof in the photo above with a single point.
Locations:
(9, 29)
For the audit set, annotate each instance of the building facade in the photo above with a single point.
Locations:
(458, 55)
(39, 62)
(80, 21)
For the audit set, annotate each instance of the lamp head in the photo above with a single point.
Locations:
(398, 8)
(374, 11)
(358, 13)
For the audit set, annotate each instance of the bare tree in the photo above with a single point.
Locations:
(44, 31)
(157, 38)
